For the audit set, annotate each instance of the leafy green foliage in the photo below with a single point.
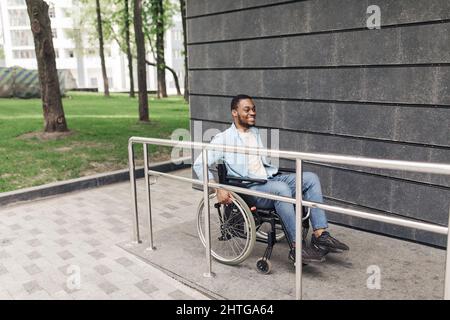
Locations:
(150, 17)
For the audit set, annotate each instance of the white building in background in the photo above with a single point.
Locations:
(18, 45)
(2, 52)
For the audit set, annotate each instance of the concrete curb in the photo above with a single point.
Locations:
(94, 181)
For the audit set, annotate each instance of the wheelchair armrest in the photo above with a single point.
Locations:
(250, 180)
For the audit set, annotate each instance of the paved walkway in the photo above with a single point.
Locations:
(47, 245)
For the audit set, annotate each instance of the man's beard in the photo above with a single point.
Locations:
(244, 124)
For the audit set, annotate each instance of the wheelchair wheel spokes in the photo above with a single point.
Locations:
(232, 230)
(236, 223)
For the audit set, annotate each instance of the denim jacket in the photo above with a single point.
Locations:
(236, 163)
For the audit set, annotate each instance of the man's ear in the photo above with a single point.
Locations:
(234, 113)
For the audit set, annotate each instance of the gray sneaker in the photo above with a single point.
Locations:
(327, 243)
(309, 254)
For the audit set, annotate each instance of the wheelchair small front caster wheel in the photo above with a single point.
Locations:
(263, 266)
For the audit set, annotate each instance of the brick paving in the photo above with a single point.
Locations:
(47, 245)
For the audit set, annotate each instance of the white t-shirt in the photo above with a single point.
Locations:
(255, 165)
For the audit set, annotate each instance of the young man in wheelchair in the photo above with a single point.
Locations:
(244, 133)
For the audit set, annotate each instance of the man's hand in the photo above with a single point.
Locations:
(224, 196)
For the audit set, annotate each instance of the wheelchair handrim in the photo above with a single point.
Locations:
(249, 222)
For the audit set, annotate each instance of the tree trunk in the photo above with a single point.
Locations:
(142, 72)
(102, 51)
(54, 118)
(128, 44)
(160, 60)
(174, 74)
(175, 78)
(186, 78)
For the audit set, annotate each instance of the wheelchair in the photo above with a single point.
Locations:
(237, 226)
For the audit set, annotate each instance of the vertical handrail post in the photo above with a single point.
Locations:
(149, 202)
(136, 237)
(298, 228)
(207, 212)
(447, 263)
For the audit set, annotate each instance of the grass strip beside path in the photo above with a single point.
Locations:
(101, 128)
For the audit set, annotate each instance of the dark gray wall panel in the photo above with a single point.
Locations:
(427, 85)
(424, 125)
(274, 114)
(332, 86)
(410, 45)
(201, 56)
(420, 202)
(396, 231)
(428, 126)
(279, 114)
(309, 142)
(440, 156)
(201, 7)
(414, 85)
(312, 16)
(388, 229)
(394, 196)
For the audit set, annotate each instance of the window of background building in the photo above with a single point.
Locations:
(16, 3)
(94, 82)
(70, 53)
(108, 52)
(54, 33)
(178, 54)
(51, 10)
(18, 18)
(91, 52)
(22, 38)
(178, 35)
(66, 12)
(24, 54)
(68, 33)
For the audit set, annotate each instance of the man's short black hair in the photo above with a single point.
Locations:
(235, 101)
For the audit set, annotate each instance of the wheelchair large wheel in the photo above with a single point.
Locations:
(233, 232)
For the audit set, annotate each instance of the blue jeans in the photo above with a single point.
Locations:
(284, 185)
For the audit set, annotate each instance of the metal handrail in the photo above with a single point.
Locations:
(435, 168)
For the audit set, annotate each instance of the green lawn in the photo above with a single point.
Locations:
(101, 126)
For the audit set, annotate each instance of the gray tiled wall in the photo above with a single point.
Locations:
(331, 85)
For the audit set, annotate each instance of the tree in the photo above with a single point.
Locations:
(175, 77)
(54, 117)
(157, 15)
(116, 26)
(142, 72)
(157, 9)
(102, 50)
(128, 46)
(186, 75)
(149, 35)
